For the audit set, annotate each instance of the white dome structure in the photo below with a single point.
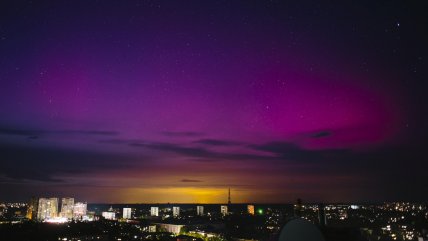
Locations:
(300, 230)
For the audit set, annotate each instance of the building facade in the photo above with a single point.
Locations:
(250, 209)
(47, 208)
(32, 208)
(175, 211)
(171, 228)
(67, 206)
(127, 213)
(79, 210)
(224, 210)
(200, 210)
(154, 211)
(109, 215)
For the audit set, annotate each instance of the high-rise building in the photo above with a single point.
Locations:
(32, 208)
(154, 211)
(223, 210)
(79, 210)
(175, 211)
(250, 209)
(127, 213)
(67, 206)
(200, 210)
(47, 208)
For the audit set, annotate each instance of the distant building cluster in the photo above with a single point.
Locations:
(56, 210)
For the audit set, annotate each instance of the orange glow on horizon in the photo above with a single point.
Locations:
(180, 195)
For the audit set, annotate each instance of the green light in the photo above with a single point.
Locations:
(260, 211)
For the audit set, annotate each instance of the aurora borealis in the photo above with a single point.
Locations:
(166, 101)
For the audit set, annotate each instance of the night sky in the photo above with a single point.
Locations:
(176, 101)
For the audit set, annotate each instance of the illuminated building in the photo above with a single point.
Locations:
(152, 229)
(67, 205)
(223, 209)
(154, 211)
(127, 213)
(47, 208)
(250, 209)
(171, 228)
(200, 210)
(175, 211)
(109, 215)
(79, 210)
(32, 208)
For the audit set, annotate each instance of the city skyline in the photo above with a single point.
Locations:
(163, 102)
(386, 221)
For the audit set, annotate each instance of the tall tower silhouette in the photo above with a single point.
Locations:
(228, 200)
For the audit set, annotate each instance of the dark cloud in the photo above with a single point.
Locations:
(19, 132)
(167, 147)
(200, 152)
(88, 132)
(287, 156)
(321, 134)
(188, 151)
(378, 168)
(119, 141)
(35, 134)
(190, 180)
(206, 160)
(292, 152)
(11, 176)
(382, 168)
(47, 164)
(321, 160)
(182, 134)
(213, 142)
